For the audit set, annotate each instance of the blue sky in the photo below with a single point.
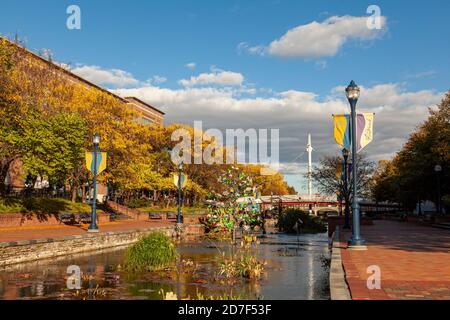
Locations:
(405, 68)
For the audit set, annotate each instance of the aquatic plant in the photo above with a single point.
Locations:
(168, 295)
(243, 264)
(224, 296)
(91, 293)
(153, 252)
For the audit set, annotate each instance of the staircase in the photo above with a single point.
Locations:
(123, 212)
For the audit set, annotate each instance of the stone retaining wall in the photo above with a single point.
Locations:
(12, 220)
(30, 250)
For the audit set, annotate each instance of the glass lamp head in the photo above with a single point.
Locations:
(96, 138)
(352, 91)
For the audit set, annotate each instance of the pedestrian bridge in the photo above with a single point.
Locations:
(317, 203)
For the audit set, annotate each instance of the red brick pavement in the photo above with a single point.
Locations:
(41, 232)
(414, 261)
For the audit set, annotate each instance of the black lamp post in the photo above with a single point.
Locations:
(93, 227)
(438, 170)
(352, 92)
(345, 154)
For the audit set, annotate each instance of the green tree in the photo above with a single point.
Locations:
(54, 146)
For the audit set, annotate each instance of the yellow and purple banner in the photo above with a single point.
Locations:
(101, 161)
(364, 130)
(342, 134)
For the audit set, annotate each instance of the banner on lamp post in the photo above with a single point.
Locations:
(364, 130)
(101, 161)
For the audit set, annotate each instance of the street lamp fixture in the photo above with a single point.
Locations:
(96, 139)
(353, 92)
(93, 227)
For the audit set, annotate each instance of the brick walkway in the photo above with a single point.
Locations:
(33, 233)
(414, 261)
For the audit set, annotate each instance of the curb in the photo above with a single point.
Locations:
(338, 286)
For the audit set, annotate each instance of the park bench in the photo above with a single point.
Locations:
(84, 217)
(67, 217)
(155, 215)
(171, 216)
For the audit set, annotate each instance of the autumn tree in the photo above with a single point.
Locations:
(410, 176)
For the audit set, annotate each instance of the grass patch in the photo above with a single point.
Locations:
(41, 206)
(153, 252)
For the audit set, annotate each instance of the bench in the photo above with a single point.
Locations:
(84, 217)
(155, 215)
(67, 217)
(171, 216)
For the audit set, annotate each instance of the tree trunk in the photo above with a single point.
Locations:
(83, 193)
(73, 189)
(4, 167)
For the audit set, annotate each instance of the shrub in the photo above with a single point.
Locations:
(311, 224)
(153, 252)
(139, 203)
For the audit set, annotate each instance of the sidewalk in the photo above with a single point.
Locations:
(34, 233)
(414, 261)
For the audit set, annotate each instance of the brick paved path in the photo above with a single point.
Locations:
(33, 233)
(414, 261)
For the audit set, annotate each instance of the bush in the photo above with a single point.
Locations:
(139, 203)
(311, 224)
(153, 252)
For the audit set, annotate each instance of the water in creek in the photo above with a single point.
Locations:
(295, 270)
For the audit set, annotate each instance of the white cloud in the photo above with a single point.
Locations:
(296, 113)
(423, 74)
(216, 77)
(114, 77)
(191, 65)
(157, 80)
(319, 39)
(255, 50)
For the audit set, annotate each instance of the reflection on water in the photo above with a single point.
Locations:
(293, 271)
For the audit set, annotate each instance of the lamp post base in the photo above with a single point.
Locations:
(359, 244)
(93, 230)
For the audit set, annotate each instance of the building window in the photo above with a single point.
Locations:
(146, 121)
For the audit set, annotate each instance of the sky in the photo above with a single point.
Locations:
(256, 64)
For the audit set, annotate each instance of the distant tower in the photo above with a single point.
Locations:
(309, 149)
